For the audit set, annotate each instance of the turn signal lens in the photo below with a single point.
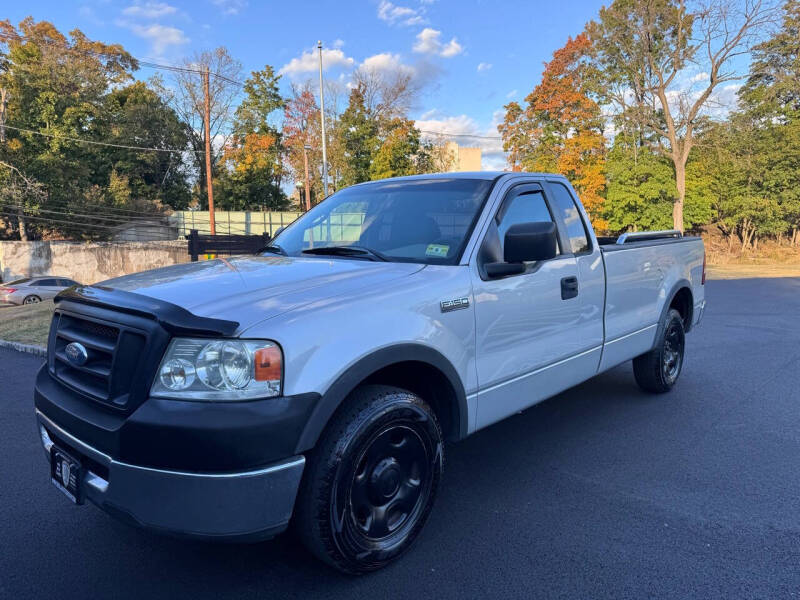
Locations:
(268, 364)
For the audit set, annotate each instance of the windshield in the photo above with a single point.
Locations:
(19, 281)
(422, 220)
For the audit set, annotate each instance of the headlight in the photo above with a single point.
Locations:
(202, 369)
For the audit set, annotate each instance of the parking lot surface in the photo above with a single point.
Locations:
(601, 492)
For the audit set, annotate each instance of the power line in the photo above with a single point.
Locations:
(95, 143)
(153, 65)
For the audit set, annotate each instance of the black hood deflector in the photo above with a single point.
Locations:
(173, 318)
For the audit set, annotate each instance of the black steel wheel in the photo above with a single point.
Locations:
(658, 370)
(370, 484)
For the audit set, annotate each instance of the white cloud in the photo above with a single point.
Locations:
(464, 130)
(231, 7)
(452, 48)
(429, 42)
(149, 10)
(511, 94)
(699, 77)
(308, 61)
(386, 62)
(399, 15)
(160, 36)
(484, 66)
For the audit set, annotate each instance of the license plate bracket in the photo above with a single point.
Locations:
(66, 473)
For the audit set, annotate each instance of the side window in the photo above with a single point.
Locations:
(528, 207)
(576, 231)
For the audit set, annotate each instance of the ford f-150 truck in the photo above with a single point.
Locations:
(315, 383)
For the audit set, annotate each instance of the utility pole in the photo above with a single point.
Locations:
(207, 125)
(322, 119)
(3, 108)
(306, 148)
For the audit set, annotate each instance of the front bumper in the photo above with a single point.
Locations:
(245, 505)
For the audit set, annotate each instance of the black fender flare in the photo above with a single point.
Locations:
(358, 372)
(678, 286)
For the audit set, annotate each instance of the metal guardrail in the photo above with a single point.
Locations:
(640, 236)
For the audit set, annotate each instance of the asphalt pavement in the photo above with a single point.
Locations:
(601, 492)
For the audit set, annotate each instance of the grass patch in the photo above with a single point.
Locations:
(28, 324)
(732, 271)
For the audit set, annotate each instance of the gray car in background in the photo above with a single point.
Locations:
(33, 289)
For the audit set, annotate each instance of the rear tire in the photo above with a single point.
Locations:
(370, 483)
(31, 300)
(658, 370)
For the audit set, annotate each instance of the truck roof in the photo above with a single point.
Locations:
(465, 175)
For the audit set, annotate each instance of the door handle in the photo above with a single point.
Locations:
(569, 287)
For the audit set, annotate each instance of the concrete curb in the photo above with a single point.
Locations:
(39, 351)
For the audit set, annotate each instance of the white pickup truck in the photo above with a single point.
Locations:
(316, 383)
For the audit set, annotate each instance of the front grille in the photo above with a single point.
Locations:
(114, 351)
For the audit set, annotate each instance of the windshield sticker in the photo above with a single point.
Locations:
(437, 250)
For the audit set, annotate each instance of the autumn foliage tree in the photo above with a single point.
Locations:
(560, 130)
(301, 127)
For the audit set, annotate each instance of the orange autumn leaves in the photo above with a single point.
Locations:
(253, 152)
(560, 129)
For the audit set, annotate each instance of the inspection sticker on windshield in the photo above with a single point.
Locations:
(437, 250)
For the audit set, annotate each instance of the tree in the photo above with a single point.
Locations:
(643, 50)
(399, 151)
(301, 127)
(188, 100)
(358, 132)
(561, 128)
(252, 165)
(56, 88)
(154, 179)
(757, 153)
(641, 188)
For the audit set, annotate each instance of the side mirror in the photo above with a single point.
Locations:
(525, 242)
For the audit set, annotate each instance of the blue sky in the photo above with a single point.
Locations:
(473, 55)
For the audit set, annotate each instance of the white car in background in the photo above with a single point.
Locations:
(33, 289)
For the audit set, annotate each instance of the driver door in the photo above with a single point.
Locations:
(525, 324)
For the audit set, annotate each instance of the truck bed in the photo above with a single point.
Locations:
(642, 271)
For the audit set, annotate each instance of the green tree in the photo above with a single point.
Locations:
(72, 108)
(756, 154)
(155, 179)
(399, 153)
(641, 188)
(643, 50)
(358, 133)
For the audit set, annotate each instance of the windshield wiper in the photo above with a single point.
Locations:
(272, 249)
(356, 251)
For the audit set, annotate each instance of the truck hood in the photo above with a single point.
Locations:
(250, 289)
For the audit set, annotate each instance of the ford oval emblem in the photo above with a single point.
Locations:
(76, 354)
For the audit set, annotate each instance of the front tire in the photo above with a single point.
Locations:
(658, 370)
(370, 484)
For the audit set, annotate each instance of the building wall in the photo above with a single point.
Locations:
(87, 262)
(464, 159)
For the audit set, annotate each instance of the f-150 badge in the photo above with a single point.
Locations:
(455, 304)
